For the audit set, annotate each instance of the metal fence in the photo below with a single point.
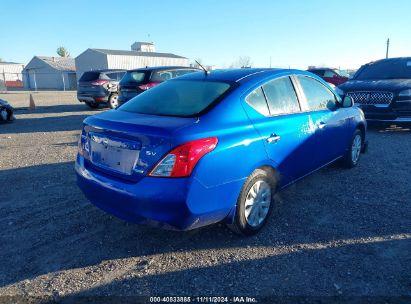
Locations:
(10, 81)
(36, 80)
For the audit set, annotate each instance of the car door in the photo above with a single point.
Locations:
(329, 120)
(283, 127)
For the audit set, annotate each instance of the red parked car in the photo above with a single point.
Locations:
(334, 76)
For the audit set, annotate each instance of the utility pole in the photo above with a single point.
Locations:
(388, 47)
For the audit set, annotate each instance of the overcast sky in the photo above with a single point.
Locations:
(295, 33)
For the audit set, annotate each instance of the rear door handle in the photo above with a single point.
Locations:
(321, 125)
(273, 138)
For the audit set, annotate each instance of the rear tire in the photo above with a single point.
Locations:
(92, 104)
(254, 203)
(113, 101)
(352, 156)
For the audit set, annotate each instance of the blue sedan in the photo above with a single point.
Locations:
(210, 147)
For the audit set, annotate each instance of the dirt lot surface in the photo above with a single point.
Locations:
(338, 232)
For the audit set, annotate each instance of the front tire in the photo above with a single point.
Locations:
(353, 153)
(254, 203)
(113, 101)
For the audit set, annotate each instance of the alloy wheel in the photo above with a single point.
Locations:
(356, 148)
(257, 203)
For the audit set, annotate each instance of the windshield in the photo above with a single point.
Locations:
(181, 98)
(133, 77)
(386, 69)
(342, 73)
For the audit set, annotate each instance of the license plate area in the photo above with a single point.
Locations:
(114, 154)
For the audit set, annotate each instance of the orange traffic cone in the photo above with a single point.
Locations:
(32, 105)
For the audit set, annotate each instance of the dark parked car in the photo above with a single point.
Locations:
(100, 87)
(382, 89)
(334, 76)
(211, 147)
(6, 111)
(139, 80)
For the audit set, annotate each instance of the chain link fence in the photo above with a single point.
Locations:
(10, 81)
(36, 80)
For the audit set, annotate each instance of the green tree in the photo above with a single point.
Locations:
(62, 52)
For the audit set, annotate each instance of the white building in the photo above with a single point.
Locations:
(142, 55)
(11, 74)
(50, 73)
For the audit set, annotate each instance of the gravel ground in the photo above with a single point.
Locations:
(338, 232)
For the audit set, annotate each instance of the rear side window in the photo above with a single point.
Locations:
(182, 98)
(281, 96)
(318, 96)
(183, 72)
(160, 76)
(257, 101)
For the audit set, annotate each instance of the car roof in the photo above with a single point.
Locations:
(158, 68)
(241, 75)
(317, 69)
(105, 71)
(391, 59)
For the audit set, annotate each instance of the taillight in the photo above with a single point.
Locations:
(148, 85)
(181, 161)
(99, 82)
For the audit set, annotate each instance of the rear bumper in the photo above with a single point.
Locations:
(167, 203)
(92, 98)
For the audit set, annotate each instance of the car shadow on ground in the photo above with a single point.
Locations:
(81, 107)
(48, 226)
(350, 270)
(44, 124)
(390, 127)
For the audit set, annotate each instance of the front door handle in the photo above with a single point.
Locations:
(273, 138)
(321, 125)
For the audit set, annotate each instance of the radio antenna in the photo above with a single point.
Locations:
(204, 69)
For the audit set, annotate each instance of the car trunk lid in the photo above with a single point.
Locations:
(128, 145)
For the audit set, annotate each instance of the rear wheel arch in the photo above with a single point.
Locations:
(272, 173)
(238, 219)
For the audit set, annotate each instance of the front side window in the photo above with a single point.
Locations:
(257, 101)
(281, 96)
(182, 98)
(318, 96)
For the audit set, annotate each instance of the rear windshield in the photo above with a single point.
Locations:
(90, 76)
(134, 77)
(181, 98)
(387, 69)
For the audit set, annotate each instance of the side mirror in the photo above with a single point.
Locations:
(347, 102)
